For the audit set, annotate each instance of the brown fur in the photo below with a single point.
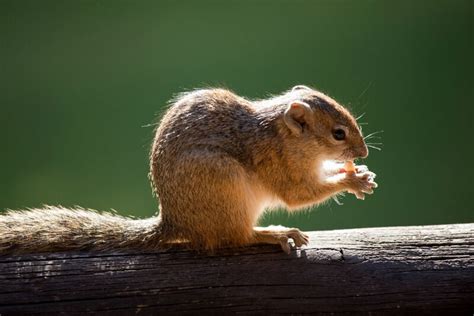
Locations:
(216, 163)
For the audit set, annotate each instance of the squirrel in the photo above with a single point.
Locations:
(217, 162)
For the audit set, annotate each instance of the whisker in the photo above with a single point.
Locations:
(150, 125)
(360, 116)
(365, 90)
(373, 137)
(374, 147)
(372, 134)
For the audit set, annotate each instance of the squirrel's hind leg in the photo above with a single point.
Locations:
(280, 235)
(213, 205)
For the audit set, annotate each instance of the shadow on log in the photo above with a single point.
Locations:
(394, 270)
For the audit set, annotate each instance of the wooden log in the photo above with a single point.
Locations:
(394, 270)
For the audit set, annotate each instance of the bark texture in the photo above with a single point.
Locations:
(392, 270)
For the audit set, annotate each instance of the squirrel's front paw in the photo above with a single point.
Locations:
(360, 184)
(362, 169)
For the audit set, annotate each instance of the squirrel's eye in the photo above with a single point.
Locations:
(339, 134)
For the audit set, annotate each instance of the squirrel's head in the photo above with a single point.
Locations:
(315, 119)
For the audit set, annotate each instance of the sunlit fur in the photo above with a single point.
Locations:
(55, 228)
(217, 162)
(234, 157)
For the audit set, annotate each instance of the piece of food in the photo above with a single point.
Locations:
(349, 166)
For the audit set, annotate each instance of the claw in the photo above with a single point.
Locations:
(360, 195)
(361, 168)
(298, 237)
(285, 246)
(361, 183)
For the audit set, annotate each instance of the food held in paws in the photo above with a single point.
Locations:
(349, 166)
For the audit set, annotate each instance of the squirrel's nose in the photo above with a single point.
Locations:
(362, 152)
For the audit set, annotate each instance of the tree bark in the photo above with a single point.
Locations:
(391, 270)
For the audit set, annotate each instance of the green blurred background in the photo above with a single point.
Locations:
(81, 80)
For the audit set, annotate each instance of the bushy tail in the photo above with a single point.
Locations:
(52, 229)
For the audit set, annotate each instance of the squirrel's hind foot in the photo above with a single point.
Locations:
(280, 235)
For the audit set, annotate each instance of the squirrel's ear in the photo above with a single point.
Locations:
(297, 115)
(300, 87)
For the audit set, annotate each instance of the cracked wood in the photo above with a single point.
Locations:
(392, 270)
